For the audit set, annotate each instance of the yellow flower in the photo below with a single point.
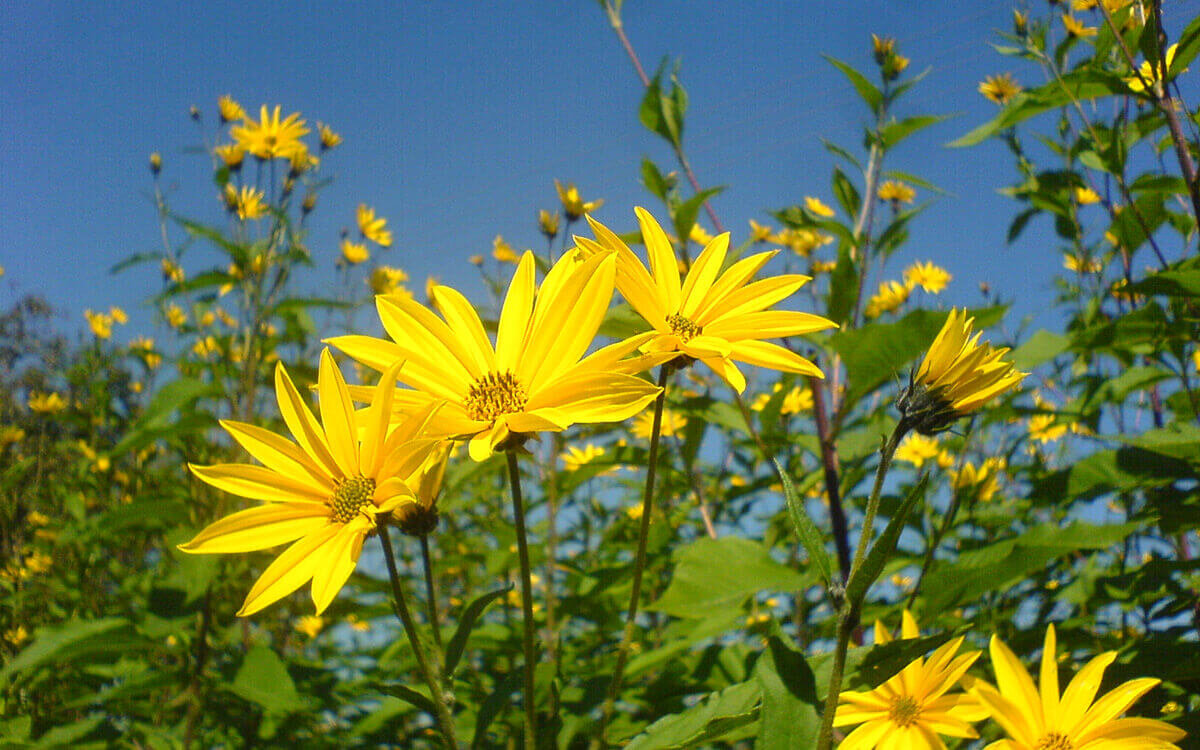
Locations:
(46, 403)
(673, 423)
(329, 139)
(322, 493)
(1080, 264)
(883, 47)
(897, 192)
(699, 235)
(10, 435)
(310, 625)
(226, 318)
(957, 376)
(1085, 196)
(118, 315)
(503, 252)
(155, 162)
(386, 280)
(16, 636)
(717, 318)
(914, 707)
(207, 318)
(548, 223)
(299, 161)
(356, 624)
(797, 400)
(372, 228)
(532, 379)
(929, 277)
(1000, 89)
(574, 457)
(1196, 359)
(573, 205)
(100, 324)
(1084, 4)
(270, 138)
(250, 203)
(176, 317)
(1042, 719)
(801, 241)
(917, 449)
(983, 482)
(355, 252)
(172, 272)
(891, 295)
(206, 346)
(1043, 428)
(895, 65)
(634, 511)
(1151, 73)
(759, 233)
(229, 110)
(817, 207)
(1075, 28)
(38, 563)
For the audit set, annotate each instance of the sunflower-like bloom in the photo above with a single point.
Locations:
(816, 206)
(231, 155)
(929, 277)
(533, 379)
(717, 318)
(1044, 720)
(372, 227)
(1000, 89)
(355, 252)
(912, 708)
(229, 110)
(421, 518)
(548, 223)
(329, 138)
(323, 493)
(896, 192)
(957, 376)
(573, 205)
(1075, 28)
(270, 137)
(248, 203)
(1150, 73)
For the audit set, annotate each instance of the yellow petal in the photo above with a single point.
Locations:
(336, 561)
(769, 324)
(702, 274)
(257, 483)
(728, 371)
(289, 572)
(337, 415)
(633, 280)
(663, 266)
(376, 422)
(280, 455)
(427, 341)
(1082, 689)
(1048, 678)
(465, 323)
(1015, 683)
(514, 315)
(764, 354)
(1014, 719)
(595, 396)
(258, 528)
(730, 281)
(300, 420)
(565, 324)
(1113, 704)
(753, 298)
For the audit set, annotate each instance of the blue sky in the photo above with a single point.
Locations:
(458, 117)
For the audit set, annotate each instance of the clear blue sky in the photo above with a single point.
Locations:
(458, 117)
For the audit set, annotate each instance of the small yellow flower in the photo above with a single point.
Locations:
(882, 47)
(896, 192)
(155, 162)
(38, 563)
(575, 457)
(1085, 196)
(945, 459)
(1044, 429)
(700, 236)
(929, 277)
(299, 161)
(983, 482)
(172, 272)
(1151, 73)
(176, 317)
(310, 625)
(46, 403)
(796, 401)
(916, 449)
(357, 624)
(270, 137)
(37, 519)
(373, 228)
(16, 636)
(801, 241)
(573, 205)
(759, 233)
(118, 315)
(226, 318)
(634, 511)
(1196, 359)
(889, 298)
(548, 223)
(1080, 264)
(503, 252)
(207, 318)
(329, 139)
(1077, 29)
(817, 207)
(10, 435)
(355, 252)
(229, 110)
(1020, 22)
(206, 347)
(1000, 89)
(100, 323)
(250, 204)
(673, 423)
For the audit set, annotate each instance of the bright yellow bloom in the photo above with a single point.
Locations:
(1075, 28)
(46, 403)
(1085, 196)
(533, 379)
(1044, 429)
(897, 192)
(914, 707)
(270, 138)
(817, 207)
(673, 423)
(574, 457)
(1151, 73)
(323, 492)
(1081, 265)
(1084, 4)
(38, 563)
(172, 272)
(176, 317)
(250, 204)
(386, 280)
(1000, 89)
(374, 229)
(503, 252)
(957, 376)
(356, 624)
(206, 346)
(1042, 719)
(100, 323)
(355, 252)
(717, 318)
(929, 277)
(310, 625)
(229, 110)
(700, 236)
(916, 449)
(794, 401)
(8, 436)
(329, 139)
(207, 318)
(983, 482)
(759, 233)
(299, 161)
(801, 241)
(573, 205)
(548, 223)
(891, 295)
(1196, 359)
(883, 47)
(16, 636)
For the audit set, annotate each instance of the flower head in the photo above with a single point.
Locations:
(574, 457)
(270, 137)
(817, 207)
(329, 138)
(1075, 28)
(323, 493)
(535, 378)
(355, 252)
(1080, 264)
(957, 376)
(1149, 73)
(548, 223)
(917, 449)
(46, 403)
(229, 110)
(717, 318)
(386, 279)
(372, 227)
(249, 203)
(100, 323)
(929, 277)
(897, 192)
(573, 205)
(889, 298)
(155, 162)
(503, 252)
(759, 232)
(1000, 89)
(1042, 719)
(1085, 196)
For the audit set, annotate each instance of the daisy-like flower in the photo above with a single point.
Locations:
(717, 318)
(386, 279)
(573, 205)
(912, 708)
(323, 493)
(1080, 264)
(929, 277)
(229, 110)
(574, 457)
(372, 227)
(673, 423)
(817, 207)
(1000, 89)
(1085, 196)
(1043, 720)
(231, 155)
(548, 223)
(917, 449)
(503, 252)
(329, 138)
(891, 295)
(270, 137)
(46, 403)
(957, 376)
(1075, 28)
(759, 232)
(249, 203)
(535, 378)
(1151, 73)
(355, 252)
(896, 192)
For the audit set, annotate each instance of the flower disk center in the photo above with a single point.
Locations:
(683, 327)
(904, 711)
(494, 394)
(351, 495)
(1055, 741)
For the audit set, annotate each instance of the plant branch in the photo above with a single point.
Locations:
(514, 482)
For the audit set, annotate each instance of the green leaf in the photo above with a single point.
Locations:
(458, 642)
(716, 714)
(137, 259)
(809, 535)
(1180, 440)
(871, 95)
(1109, 471)
(686, 212)
(410, 696)
(791, 715)
(154, 419)
(697, 633)
(1189, 47)
(845, 192)
(698, 587)
(654, 180)
(1042, 346)
(56, 642)
(68, 735)
(843, 286)
(1174, 283)
(499, 699)
(263, 679)
(882, 548)
(894, 132)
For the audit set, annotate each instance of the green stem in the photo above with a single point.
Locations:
(639, 563)
(885, 462)
(514, 481)
(430, 590)
(444, 718)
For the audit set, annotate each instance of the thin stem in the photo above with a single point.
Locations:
(639, 563)
(845, 628)
(514, 481)
(885, 462)
(444, 718)
(829, 463)
(430, 591)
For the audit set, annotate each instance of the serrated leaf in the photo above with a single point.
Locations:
(716, 714)
(809, 535)
(861, 579)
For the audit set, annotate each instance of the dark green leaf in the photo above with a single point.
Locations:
(882, 548)
(809, 535)
(698, 587)
(454, 648)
